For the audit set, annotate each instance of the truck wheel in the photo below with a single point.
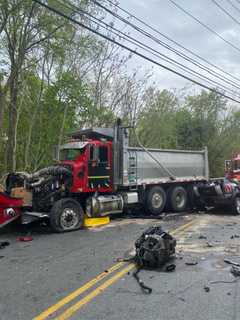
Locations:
(66, 215)
(178, 199)
(156, 200)
(236, 205)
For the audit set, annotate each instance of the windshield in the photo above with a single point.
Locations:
(70, 154)
(236, 165)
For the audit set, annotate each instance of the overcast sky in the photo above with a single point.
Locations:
(168, 19)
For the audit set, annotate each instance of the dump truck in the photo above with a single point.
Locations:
(99, 174)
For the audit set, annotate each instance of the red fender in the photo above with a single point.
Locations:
(10, 208)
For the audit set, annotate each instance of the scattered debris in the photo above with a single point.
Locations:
(235, 236)
(230, 224)
(25, 238)
(202, 237)
(235, 271)
(144, 288)
(191, 263)
(182, 299)
(232, 262)
(209, 245)
(170, 267)
(206, 288)
(222, 281)
(4, 244)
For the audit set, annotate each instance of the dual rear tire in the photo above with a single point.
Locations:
(156, 199)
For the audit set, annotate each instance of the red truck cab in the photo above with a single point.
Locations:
(91, 165)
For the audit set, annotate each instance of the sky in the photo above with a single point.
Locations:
(165, 17)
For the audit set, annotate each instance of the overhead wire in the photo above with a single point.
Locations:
(158, 41)
(233, 5)
(147, 48)
(204, 25)
(172, 40)
(226, 12)
(133, 51)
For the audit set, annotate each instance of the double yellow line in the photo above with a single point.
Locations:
(78, 305)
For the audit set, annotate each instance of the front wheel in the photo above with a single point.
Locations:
(66, 215)
(236, 205)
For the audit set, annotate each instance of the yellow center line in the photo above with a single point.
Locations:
(77, 292)
(73, 309)
(68, 313)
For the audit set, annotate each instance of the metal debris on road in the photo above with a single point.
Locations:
(209, 245)
(202, 237)
(191, 263)
(232, 262)
(206, 288)
(235, 236)
(170, 267)
(4, 244)
(235, 270)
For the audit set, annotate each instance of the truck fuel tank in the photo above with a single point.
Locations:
(104, 205)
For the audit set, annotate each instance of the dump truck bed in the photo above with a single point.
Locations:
(183, 165)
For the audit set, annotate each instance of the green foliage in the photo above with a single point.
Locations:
(200, 121)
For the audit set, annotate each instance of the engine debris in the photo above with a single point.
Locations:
(154, 249)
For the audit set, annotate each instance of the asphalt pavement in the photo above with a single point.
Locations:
(76, 275)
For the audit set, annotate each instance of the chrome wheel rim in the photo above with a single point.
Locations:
(69, 219)
(157, 200)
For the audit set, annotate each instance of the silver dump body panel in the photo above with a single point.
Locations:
(139, 168)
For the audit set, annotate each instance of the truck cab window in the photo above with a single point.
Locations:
(103, 154)
(91, 153)
(70, 154)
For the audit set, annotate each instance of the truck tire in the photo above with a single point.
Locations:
(236, 205)
(178, 199)
(155, 200)
(66, 215)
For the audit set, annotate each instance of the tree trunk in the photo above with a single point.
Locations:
(12, 117)
(1, 110)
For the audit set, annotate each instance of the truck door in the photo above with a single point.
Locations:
(99, 167)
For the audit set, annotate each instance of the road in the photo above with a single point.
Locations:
(76, 276)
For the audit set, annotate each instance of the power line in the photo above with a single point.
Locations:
(226, 12)
(132, 50)
(204, 25)
(182, 55)
(233, 5)
(145, 47)
(173, 41)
